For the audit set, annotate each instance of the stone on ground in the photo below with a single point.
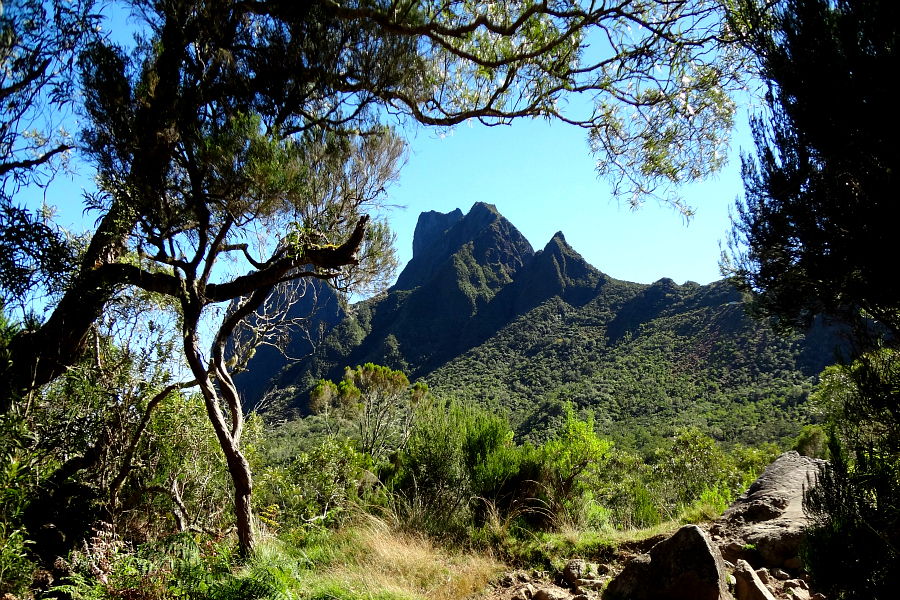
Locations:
(687, 566)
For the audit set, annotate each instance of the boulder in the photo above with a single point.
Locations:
(748, 585)
(768, 518)
(687, 566)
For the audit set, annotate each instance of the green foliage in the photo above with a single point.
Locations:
(573, 463)
(692, 465)
(812, 441)
(180, 566)
(645, 360)
(852, 542)
(313, 489)
(460, 464)
(431, 481)
(809, 237)
(644, 512)
(499, 472)
(19, 472)
(855, 508)
(378, 399)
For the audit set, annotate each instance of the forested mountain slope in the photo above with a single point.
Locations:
(478, 314)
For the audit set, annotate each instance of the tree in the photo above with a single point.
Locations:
(662, 110)
(811, 238)
(381, 402)
(854, 510)
(38, 42)
(816, 224)
(254, 132)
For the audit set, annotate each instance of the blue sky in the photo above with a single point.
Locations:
(541, 177)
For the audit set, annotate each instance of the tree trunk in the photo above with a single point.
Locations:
(229, 436)
(243, 490)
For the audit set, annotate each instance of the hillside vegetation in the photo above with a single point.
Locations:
(481, 317)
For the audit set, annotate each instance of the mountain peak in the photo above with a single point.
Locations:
(439, 236)
(431, 226)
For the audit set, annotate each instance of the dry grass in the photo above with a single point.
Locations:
(382, 561)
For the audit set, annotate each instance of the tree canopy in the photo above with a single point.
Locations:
(816, 226)
(231, 120)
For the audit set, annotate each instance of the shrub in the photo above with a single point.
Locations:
(314, 489)
(573, 465)
(851, 544)
(17, 482)
(692, 464)
(812, 441)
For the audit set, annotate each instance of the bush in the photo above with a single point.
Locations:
(574, 462)
(851, 544)
(461, 465)
(690, 466)
(17, 483)
(178, 566)
(644, 513)
(812, 441)
(314, 489)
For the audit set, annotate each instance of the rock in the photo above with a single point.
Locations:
(42, 579)
(526, 592)
(748, 585)
(549, 594)
(769, 515)
(686, 566)
(763, 575)
(797, 589)
(574, 570)
(795, 583)
(591, 584)
(793, 563)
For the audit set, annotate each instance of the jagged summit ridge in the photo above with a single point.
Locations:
(440, 236)
(478, 313)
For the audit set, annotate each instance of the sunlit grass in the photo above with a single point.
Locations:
(371, 559)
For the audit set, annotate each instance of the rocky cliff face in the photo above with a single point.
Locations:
(430, 229)
(483, 236)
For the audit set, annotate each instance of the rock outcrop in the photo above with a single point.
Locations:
(766, 523)
(687, 566)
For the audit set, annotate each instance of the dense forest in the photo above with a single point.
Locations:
(495, 407)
